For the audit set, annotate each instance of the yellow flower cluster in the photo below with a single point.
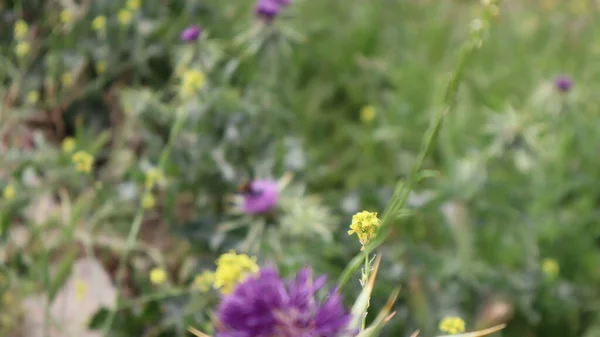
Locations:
(193, 80)
(33, 97)
(83, 161)
(22, 49)
(204, 280)
(452, 325)
(133, 4)
(551, 268)
(364, 225)
(66, 16)
(232, 269)
(9, 192)
(158, 276)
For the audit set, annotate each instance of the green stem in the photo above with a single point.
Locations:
(365, 281)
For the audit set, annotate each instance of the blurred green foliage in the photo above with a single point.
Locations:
(506, 231)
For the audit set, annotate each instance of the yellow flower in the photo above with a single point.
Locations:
(101, 67)
(192, 81)
(7, 298)
(33, 97)
(22, 49)
(148, 201)
(158, 276)
(153, 176)
(68, 145)
(364, 225)
(124, 16)
(9, 192)
(367, 113)
(232, 269)
(133, 4)
(99, 23)
(452, 325)
(67, 80)
(204, 280)
(551, 268)
(83, 161)
(66, 16)
(21, 29)
(81, 289)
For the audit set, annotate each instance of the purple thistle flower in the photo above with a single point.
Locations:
(261, 197)
(265, 305)
(191, 33)
(268, 9)
(563, 83)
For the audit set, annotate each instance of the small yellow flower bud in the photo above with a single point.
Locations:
(68, 145)
(81, 289)
(203, 281)
(22, 48)
(32, 97)
(133, 4)
(101, 67)
(148, 201)
(551, 268)
(9, 192)
(21, 29)
(67, 80)
(83, 161)
(124, 17)
(367, 114)
(66, 16)
(158, 276)
(99, 23)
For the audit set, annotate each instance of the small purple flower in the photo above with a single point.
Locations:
(261, 197)
(191, 33)
(266, 305)
(563, 83)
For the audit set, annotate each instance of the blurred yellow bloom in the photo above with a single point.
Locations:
(203, 281)
(367, 113)
(66, 16)
(22, 49)
(9, 192)
(158, 276)
(153, 176)
(99, 23)
(21, 29)
(452, 325)
(33, 97)
(148, 201)
(364, 225)
(551, 268)
(81, 289)
(7, 298)
(133, 4)
(67, 80)
(68, 145)
(124, 16)
(101, 67)
(193, 80)
(232, 269)
(83, 161)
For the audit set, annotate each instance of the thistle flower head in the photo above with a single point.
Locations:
(269, 9)
(191, 33)
(563, 83)
(266, 305)
(261, 197)
(364, 225)
(232, 269)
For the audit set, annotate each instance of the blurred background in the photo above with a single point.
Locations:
(133, 130)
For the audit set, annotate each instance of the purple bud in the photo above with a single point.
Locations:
(191, 33)
(563, 83)
(268, 9)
